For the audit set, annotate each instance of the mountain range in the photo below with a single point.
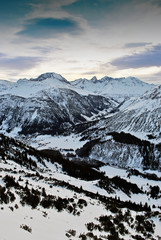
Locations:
(80, 160)
(50, 103)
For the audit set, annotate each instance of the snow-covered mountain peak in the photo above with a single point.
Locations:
(94, 79)
(135, 81)
(106, 79)
(50, 75)
(32, 87)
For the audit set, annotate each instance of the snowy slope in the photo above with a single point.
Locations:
(39, 200)
(50, 111)
(113, 139)
(142, 116)
(4, 84)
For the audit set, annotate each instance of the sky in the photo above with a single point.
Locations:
(80, 38)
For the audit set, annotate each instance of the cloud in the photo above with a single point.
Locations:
(2, 55)
(90, 73)
(49, 27)
(137, 44)
(157, 2)
(149, 58)
(45, 50)
(19, 63)
(15, 12)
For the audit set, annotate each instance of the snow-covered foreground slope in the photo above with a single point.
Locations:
(43, 197)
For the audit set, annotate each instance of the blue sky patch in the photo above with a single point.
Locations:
(49, 27)
(94, 10)
(11, 10)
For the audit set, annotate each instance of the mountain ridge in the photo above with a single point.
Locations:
(106, 86)
(114, 87)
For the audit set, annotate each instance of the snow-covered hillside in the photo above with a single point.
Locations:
(129, 138)
(51, 111)
(43, 195)
(4, 84)
(142, 117)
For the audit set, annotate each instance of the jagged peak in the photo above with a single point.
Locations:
(106, 78)
(94, 79)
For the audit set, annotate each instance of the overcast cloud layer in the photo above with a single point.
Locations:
(149, 57)
(81, 38)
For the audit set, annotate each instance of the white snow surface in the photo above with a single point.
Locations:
(53, 225)
(57, 142)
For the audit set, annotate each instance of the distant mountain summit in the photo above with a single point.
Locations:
(50, 75)
(114, 87)
(29, 88)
